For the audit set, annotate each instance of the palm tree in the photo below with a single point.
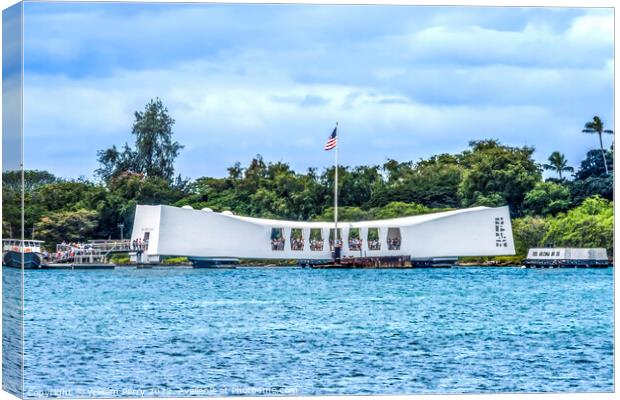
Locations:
(596, 126)
(558, 163)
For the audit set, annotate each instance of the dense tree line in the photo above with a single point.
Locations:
(558, 211)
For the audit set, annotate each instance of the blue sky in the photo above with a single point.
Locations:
(404, 82)
(11, 82)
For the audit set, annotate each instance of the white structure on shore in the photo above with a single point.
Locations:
(567, 257)
(567, 253)
(204, 234)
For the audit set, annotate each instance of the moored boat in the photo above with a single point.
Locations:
(18, 253)
(208, 262)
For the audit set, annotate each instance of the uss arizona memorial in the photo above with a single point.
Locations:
(204, 235)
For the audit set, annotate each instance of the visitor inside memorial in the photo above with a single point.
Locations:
(316, 240)
(338, 241)
(277, 239)
(355, 241)
(393, 239)
(373, 239)
(297, 239)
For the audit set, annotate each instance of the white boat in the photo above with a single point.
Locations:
(17, 253)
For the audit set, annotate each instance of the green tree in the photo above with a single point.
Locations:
(395, 170)
(113, 162)
(64, 195)
(395, 209)
(61, 195)
(11, 204)
(358, 185)
(528, 232)
(155, 150)
(7, 229)
(547, 198)
(432, 182)
(33, 179)
(596, 127)
(12, 197)
(589, 225)
(558, 163)
(346, 213)
(399, 209)
(494, 199)
(594, 166)
(76, 225)
(591, 179)
(436, 181)
(492, 168)
(602, 186)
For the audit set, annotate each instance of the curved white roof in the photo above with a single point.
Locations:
(393, 222)
(175, 231)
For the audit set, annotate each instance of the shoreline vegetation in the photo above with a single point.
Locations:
(572, 208)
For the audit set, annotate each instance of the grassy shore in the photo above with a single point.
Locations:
(500, 261)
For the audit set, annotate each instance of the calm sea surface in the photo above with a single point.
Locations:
(182, 332)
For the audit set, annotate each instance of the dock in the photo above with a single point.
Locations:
(95, 254)
(567, 257)
(364, 262)
(78, 266)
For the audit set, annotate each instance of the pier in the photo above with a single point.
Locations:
(364, 262)
(94, 254)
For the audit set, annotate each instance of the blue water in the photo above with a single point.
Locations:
(12, 339)
(264, 331)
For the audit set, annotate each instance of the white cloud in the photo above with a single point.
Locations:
(409, 92)
(592, 30)
(237, 115)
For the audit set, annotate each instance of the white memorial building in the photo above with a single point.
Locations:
(208, 235)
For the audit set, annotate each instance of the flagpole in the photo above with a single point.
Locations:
(336, 189)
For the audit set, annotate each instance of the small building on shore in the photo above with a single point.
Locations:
(204, 235)
(566, 257)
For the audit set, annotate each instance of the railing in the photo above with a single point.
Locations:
(355, 244)
(316, 245)
(97, 246)
(110, 245)
(94, 251)
(374, 245)
(80, 258)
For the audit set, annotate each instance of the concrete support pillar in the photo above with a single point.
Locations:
(287, 239)
(325, 233)
(345, 239)
(306, 234)
(383, 238)
(364, 237)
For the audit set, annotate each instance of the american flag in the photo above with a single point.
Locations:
(332, 141)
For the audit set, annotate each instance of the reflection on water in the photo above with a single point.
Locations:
(300, 331)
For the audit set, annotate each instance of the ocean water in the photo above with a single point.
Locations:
(292, 331)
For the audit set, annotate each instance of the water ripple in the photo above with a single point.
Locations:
(167, 332)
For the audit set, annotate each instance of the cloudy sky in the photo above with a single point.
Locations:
(404, 82)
